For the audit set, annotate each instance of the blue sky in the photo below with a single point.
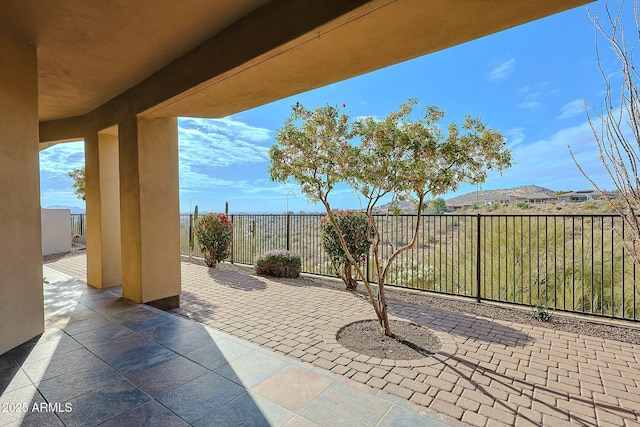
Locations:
(529, 82)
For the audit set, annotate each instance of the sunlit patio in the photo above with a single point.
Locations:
(263, 352)
(105, 361)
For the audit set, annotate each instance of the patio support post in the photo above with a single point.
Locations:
(150, 212)
(478, 260)
(103, 209)
(21, 294)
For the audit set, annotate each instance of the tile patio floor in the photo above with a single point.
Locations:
(103, 361)
(489, 373)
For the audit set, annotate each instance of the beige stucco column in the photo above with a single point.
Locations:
(150, 211)
(21, 297)
(103, 209)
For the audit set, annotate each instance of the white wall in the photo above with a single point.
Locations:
(56, 231)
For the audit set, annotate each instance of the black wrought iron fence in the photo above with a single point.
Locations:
(78, 231)
(574, 263)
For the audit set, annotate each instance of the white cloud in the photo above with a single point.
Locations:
(63, 157)
(222, 143)
(572, 109)
(530, 99)
(502, 70)
(56, 187)
(206, 144)
(548, 162)
(514, 137)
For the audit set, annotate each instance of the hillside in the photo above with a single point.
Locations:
(484, 195)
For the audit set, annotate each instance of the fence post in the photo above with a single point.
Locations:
(288, 230)
(233, 238)
(189, 240)
(478, 263)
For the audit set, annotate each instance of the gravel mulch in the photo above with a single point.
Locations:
(409, 341)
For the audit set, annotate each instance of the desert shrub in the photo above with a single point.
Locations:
(522, 205)
(353, 226)
(214, 232)
(278, 263)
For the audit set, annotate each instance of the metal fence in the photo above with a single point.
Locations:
(574, 263)
(78, 231)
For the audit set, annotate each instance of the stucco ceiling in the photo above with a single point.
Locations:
(211, 58)
(89, 51)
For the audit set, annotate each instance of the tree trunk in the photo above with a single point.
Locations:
(350, 283)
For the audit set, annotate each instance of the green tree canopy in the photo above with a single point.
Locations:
(397, 156)
(78, 177)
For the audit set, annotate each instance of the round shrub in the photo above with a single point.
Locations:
(214, 232)
(278, 263)
(354, 226)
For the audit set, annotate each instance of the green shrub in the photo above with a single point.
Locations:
(354, 227)
(278, 263)
(214, 232)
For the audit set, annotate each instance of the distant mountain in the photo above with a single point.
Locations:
(404, 206)
(73, 209)
(481, 196)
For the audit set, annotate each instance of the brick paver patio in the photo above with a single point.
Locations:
(489, 373)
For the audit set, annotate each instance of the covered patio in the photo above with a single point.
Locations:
(488, 372)
(117, 75)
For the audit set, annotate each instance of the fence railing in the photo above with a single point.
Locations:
(78, 231)
(574, 263)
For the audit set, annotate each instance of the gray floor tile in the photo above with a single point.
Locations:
(104, 334)
(7, 361)
(338, 405)
(107, 402)
(86, 325)
(397, 400)
(169, 329)
(299, 421)
(188, 341)
(141, 317)
(201, 396)
(34, 350)
(12, 379)
(249, 409)
(38, 419)
(58, 365)
(150, 414)
(112, 307)
(78, 382)
(402, 417)
(144, 355)
(79, 313)
(165, 377)
(293, 387)
(18, 404)
(53, 276)
(252, 368)
(218, 353)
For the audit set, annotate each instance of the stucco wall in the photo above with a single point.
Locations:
(21, 301)
(56, 231)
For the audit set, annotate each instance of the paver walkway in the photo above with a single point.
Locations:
(488, 373)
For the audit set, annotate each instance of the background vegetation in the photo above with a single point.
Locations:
(571, 261)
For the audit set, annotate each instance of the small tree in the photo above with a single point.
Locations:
(439, 204)
(395, 156)
(214, 232)
(354, 227)
(78, 177)
(616, 128)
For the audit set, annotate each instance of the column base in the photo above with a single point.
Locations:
(166, 303)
